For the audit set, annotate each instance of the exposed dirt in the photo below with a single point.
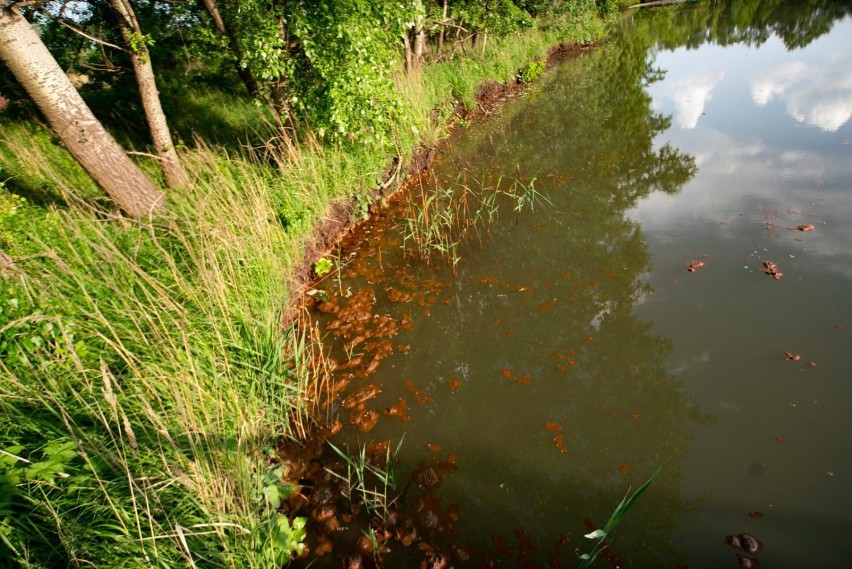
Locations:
(341, 218)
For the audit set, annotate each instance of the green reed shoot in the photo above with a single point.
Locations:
(438, 223)
(618, 514)
(370, 484)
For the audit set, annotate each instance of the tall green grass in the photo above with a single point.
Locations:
(152, 354)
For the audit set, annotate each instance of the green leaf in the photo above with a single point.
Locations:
(273, 497)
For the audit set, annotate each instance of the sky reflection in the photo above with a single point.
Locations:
(814, 84)
(769, 129)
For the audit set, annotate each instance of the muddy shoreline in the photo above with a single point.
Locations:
(341, 220)
(320, 495)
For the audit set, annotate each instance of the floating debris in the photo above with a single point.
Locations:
(748, 562)
(744, 542)
(399, 409)
(792, 357)
(771, 269)
(360, 396)
(693, 266)
(806, 227)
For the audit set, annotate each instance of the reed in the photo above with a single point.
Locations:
(370, 483)
(438, 222)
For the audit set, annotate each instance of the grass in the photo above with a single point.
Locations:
(164, 366)
(145, 376)
(370, 482)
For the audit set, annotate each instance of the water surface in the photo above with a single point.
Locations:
(569, 353)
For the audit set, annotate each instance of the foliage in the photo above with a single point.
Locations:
(500, 17)
(531, 71)
(323, 267)
(329, 62)
(285, 537)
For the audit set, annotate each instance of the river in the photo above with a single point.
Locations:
(679, 296)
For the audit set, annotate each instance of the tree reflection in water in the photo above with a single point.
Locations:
(529, 394)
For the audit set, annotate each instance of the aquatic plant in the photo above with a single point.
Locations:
(618, 514)
(369, 482)
(323, 266)
(438, 222)
(531, 71)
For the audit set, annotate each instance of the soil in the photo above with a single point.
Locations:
(341, 218)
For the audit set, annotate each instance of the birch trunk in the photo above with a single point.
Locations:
(244, 73)
(157, 124)
(23, 52)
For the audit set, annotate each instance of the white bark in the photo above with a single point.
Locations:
(157, 124)
(23, 52)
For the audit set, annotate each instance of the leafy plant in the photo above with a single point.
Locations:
(323, 267)
(531, 71)
(285, 537)
(362, 206)
(618, 514)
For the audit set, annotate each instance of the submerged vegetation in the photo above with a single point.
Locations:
(438, 223)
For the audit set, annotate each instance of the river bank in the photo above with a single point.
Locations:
(145, 376)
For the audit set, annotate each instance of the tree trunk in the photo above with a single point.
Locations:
(244, 73)
(409, 58)
(443, 27)
(419, 42)
(95, 149)
(159, 127)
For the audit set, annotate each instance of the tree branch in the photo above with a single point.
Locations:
(87, 36)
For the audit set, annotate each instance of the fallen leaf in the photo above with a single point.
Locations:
(771, 269)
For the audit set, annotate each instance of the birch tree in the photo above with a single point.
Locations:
(157, 124)
(26, 56)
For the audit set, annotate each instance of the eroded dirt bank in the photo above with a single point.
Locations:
(341, 218)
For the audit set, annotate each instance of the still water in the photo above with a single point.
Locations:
(570, 352)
